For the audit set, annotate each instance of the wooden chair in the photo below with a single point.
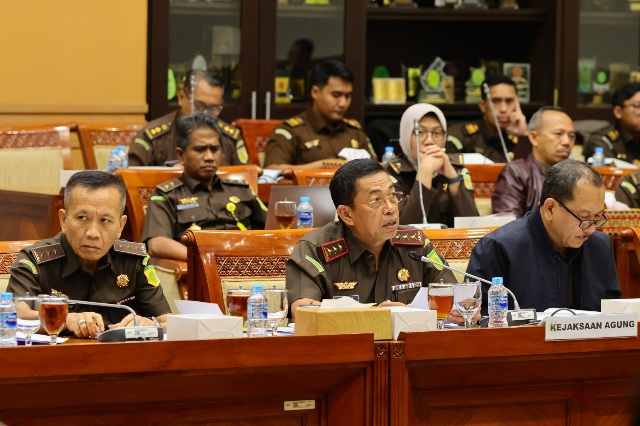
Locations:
(312, 176)
(98, 139)
(8, 254)
(256, 134)
(627, 253)
(33, 156)
(612, 176)
(484, 177)
(248, 173)
(220, 260)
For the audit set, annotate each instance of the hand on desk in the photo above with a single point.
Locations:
(128, 322)
(85, 324)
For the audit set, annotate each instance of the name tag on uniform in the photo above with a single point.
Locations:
(187, 206)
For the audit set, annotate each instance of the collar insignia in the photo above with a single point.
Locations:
(334, 249)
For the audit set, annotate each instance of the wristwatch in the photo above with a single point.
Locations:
(456, 179)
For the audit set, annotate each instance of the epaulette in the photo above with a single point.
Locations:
(294, 122)
(159, 130)
(124, 246)
(395, 165)
(471, 129)
(353, 123)
(513, 138)
(235, 182)
(170, 185)
(333, 250)
(46, 253)
(613, 135)
(228, 129)
(408, 237)
(622, 156)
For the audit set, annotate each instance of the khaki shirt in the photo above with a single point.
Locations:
(156, 143)
(305, 138)
(184, 203)
(478, 136)
(330, 262)
(123, 277)
(615, 143)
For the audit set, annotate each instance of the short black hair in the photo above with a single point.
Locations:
(93, 180)
(536, 119)
(494, 80)
(190, 123)
(324, 71)
(561, 180)
(207, 76)
(344, 184)
(306, 45)
(624, 93)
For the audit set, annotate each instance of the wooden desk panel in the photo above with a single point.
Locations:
(216, 381)
(511, 376)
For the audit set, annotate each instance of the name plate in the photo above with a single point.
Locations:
(591, 326)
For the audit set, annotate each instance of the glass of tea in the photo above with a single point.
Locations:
(285, 213)
(236, 303)
(53, 314)
(441, 300)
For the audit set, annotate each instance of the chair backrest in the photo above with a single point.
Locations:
(247, 173)
(612, 176)
(219, 260)
(312, 176)
(484, 177)
(33, 156)
(256, 134)
(98, 139)
(8, 253)
(627, 254)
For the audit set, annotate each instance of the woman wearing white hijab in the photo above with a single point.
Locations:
(446, 187)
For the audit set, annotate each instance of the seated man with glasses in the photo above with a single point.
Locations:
(554, 257)
(364, 254)
(622, 138)
(446, 186)
(156, 143)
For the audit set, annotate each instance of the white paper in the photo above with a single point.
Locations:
(475, 158)
(344, 303)
(422, 299)
(270, 176)
(353, 153)
(194, 307)
(541, 316)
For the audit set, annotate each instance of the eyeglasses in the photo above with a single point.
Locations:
(376, 203)
(635, 107)
(213, 110)
(584, 224)
(436, 135)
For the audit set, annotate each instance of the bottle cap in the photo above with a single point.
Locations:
(121, 148)
(6, 296)
(599, 149)
(304, 199)
(257, 287)
(388, 149)
(114, 152)
(497, 280)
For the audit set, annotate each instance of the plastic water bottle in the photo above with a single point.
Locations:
(8, 321)
(124, 158)
(598, 157)
(304, 213)
(257, 312)
(498, 304)
(388, 154)
(114, 161)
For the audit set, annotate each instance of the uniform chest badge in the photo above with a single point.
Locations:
(355, 144)
(346, 285)
(403, 275)
(152, 278)
(234, 199)
(312, 144)
(122, 281)
(187, 203)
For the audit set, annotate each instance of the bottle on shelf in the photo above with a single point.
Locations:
(304, 213)
(114, 161)
(388, 154)
(257, 312)
(598, 157)
(8, 321)
(498, 304)
(124, 158)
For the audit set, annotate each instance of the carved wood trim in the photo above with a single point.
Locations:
(112, 137)
(455, 249)
(39, 139)
(6, 260)
(271, 266)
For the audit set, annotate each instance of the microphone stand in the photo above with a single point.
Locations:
(485, 88)
(416, 132)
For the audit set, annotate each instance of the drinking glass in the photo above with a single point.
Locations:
(285, 213)
(28, 317)
(441, 300)
(53, 314)
(277, 307)
(236, 303)
(468, 298)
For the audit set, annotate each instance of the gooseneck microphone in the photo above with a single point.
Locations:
(416, 133)
(485, 88)
(125, 334)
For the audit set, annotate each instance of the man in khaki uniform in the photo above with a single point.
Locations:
(156, 143)
(629, 190)
(321, 132)
(198, 199)
(364, 254)
(87, 262)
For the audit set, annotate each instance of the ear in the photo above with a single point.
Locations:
(345, 213)
(533, 137)
(482, 104)
(182, 97)
(180, 154)
(62, 217)
(547, 208)
(617, 112)
(123, 220)
(315, 92)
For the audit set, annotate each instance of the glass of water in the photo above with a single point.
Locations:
(28, 317)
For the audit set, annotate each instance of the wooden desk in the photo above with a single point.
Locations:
(226, 382)
(511, 376)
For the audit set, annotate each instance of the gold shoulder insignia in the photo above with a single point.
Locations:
(46, 253)
(124, 246)
(353, 123)
(156, 131)
(395, 165)
(228, 129)
(294, 122)
(408, 237)
(513, 138)
(170, 185)
(622, 156)
(333, 250)
(471, 129)
(235, 182)
(613, 135)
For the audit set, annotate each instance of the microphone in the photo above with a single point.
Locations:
(516, 317)
(125, 334)
(485, 88)
(192, 85)
(416, 132)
